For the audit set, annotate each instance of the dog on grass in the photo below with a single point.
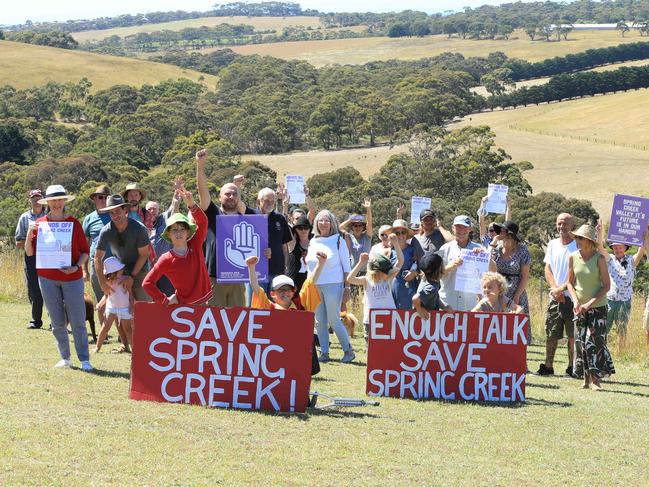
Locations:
(350, 321)
(90, 315)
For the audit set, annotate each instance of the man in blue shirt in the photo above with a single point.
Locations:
(33, 290)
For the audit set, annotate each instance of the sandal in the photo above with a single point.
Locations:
(121, 349)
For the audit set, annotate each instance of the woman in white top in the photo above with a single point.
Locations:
(331, 283)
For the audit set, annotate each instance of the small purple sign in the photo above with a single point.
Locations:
(237, 238)
(628, 220)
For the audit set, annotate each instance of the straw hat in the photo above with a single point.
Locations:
(586, 231)
(402, 224)
(134, 187)
(55, 192)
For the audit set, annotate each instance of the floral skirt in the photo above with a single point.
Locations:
(591, 352)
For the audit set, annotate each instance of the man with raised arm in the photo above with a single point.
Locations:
(559, 314)
(223, 295)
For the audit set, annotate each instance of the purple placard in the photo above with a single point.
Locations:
(237, 238)
(628, 219)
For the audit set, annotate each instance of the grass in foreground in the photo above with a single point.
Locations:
(68, 427)
(25, 65)
(359, 51)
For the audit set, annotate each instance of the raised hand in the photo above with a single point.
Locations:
(367, 203)
(400, 209)
(201, 155)
(245, 244)
(186, 196)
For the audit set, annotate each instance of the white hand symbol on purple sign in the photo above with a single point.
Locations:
(245, 244)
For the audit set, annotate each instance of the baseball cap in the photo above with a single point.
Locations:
(35, 192)
(463, 220)
(425, 213)
(282, 280)
(379, 262)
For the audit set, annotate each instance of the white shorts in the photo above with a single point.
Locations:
(120, 313)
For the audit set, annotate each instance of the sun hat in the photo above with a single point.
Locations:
(101, 189)
(402, 224)
(55, 192)
(303, 221)
(112, 264)
(387, 229)
(35, 192)
(281, 280)
(462, 220)
(179, 218)
(510, 227)
(586, 231)
(426, 213)
(610, 245)
(379, 262)
(112, 202)
(134, 187)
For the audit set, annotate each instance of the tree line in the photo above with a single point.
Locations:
(591, 58)
(258, 9)
(62, 40)
(575, 85)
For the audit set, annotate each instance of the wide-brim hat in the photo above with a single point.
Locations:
(402, 224)
(610, 245)
(101, 189)
(179, 218)
(510, 227)
(586, 231)
(303, 221)
(133, 187)
(355, 218)
(55, 192)
(112, 264)
(112, 202)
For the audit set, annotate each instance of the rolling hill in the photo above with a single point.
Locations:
(25, 65)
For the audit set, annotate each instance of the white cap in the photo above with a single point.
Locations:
(280, 281)
(112, 264)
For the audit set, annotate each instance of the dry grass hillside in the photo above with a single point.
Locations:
(25, 65)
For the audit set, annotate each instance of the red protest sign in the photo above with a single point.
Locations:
(225, 357)
(453, 356)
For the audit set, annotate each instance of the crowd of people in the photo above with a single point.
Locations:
(129, 252)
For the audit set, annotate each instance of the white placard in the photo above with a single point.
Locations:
(467, 277)
(295, 189)
(496, 199)
(54, 245)
(417, 205)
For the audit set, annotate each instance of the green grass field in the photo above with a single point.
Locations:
(358, 51)
(259, 23)
(25, 65)
(66, 427)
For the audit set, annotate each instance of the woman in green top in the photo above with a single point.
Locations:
(588, 283)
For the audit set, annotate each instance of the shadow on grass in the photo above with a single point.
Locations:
(541, 386)
(628, 393)
(531, 401)
(333, 412)
(110, 373)
(632, 384)
(317, 378)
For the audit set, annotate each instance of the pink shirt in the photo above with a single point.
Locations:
(119, 298)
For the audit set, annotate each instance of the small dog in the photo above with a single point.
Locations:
(90, 315)
(350, 321)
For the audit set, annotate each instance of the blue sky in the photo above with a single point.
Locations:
(48, 10)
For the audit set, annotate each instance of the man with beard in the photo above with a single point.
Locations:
(559, 316)
(431, 235)
(223, 295)
(134, 195)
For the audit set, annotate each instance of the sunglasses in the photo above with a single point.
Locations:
(301, 228)
(624, 263)
(100, 196)
(384, 235)
(491, 230)
(358, 225)
(400, 232)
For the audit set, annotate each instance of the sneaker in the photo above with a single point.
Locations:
(85, 366)
(543, 370)
(569, 371)
(349, 356)
(34, 326)
(63, 363)
(324, 357)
